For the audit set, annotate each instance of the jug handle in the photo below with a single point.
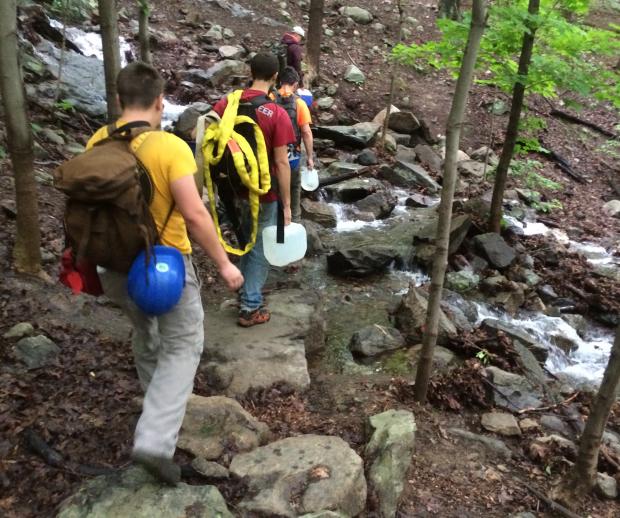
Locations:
(280, 224)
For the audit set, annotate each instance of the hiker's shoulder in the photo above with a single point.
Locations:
(166, 143)
(98, 136)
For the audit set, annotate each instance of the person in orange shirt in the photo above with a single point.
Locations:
(300, 116)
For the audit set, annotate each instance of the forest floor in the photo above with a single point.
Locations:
(86, 405)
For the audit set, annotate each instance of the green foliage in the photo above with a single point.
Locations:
(527, 142)
(611, 148)
(35, 127)
(2, 153)
(527, 171)
(66, 105)
(483, 356)
(567, 54)
(73, 10)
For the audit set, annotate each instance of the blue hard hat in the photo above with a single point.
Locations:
(156, 283)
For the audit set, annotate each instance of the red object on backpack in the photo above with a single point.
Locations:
(80, 277)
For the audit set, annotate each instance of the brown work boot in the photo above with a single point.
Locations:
(252, 318)
(164, 470)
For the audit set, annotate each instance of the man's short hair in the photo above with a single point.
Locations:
(138, 85)
(264, 66)
(289, 76)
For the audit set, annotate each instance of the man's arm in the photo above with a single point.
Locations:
(306, 136)
(202, 229)
(283, 173)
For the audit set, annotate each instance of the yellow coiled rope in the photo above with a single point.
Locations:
(257, 180)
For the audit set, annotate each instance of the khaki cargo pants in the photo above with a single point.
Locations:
(167, 352)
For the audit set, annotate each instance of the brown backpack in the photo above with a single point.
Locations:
(107, 218)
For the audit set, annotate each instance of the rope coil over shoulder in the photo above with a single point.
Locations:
(221, 136)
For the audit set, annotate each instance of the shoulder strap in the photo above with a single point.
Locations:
(126, 128)
(259, 101)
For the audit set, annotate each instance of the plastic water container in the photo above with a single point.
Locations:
(309, 179)
(306, 95)
(294, 246)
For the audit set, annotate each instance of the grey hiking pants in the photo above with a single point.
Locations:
(167, 352)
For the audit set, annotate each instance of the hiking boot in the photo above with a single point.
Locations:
(164, 470)
(252, 318)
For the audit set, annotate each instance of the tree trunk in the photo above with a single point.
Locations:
(450, 9)
(27, 251)
(582, 477)
(143, 31)
(111, 54)
(313, 44)
(393, 69)
(442, 239)
(512, 130)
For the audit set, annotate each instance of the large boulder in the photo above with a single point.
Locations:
(380, 117)
(218, 74)
(379, 204)
(459, 227)
(304, 474)
(407, 175)
(137, 494)
(517, 333)
(231, 51)
(338, 168)
(501, 423)
(361, 261)
(403, 122)
(375, 339)
(359, 135)
(390, 451)
(357, 14)
(215, 425)
(495, 250)
(354, 190)
(319, 212)
(410, 318)
(273, 352)
(187, 120)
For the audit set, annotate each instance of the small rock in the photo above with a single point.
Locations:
(495, 249)
(490, 442)
(555, 424)
(473, 168)
(319, 212)
(577, 322)
(501, 423)
(354, 75)
(361, 261)
(215, 33)
(606, 486)
(52, 136)
(357, 14)
(429, 158)
(462, 281)
(210, 469)
(419, 201)
(380, 117)
(376, 339)
(325, 103)
(214, 425)
(528, 424)
(612, 208)
(379, 205)
(485, 154)
(403, 122)
(19, 331)
(36, 351)
(73, 148)
(228, 33)
(406, 175)
(231, 52)
(367, 157)
(391, 449)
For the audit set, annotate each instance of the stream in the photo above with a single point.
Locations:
(586, 363)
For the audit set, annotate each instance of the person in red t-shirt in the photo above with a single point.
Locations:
(278, 132)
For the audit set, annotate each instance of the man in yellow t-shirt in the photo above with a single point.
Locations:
(167, 348)
(300, 117)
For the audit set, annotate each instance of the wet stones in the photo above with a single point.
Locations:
(361, 261)
(319, 212)
(375, 339)
(495, 250)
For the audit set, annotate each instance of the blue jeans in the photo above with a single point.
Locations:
(254, 266)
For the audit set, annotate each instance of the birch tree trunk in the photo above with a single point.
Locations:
(27, 251)
(111, 54)
(143, 31)
(442, 239)
(313, 43)
(393, 70)
(512, 130)
(582, 477)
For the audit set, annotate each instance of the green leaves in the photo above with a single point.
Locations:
(567, 55)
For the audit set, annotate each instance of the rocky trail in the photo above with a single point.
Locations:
(312, 414)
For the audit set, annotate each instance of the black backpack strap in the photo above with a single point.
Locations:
(126, 128)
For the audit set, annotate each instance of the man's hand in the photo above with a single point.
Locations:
(287, 215)
(232, 276)
(310, 163)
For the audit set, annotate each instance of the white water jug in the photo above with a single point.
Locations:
(309, 179)
(294, 246)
